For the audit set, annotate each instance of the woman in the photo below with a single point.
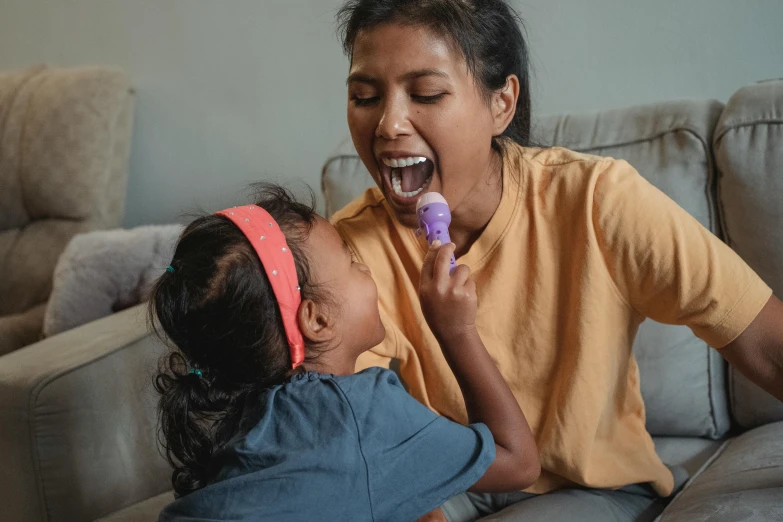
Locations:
(569, 252)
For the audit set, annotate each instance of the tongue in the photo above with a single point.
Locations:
(413, 177)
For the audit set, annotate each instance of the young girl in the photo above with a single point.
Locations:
(261, 413)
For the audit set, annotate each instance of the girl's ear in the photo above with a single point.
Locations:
(315, 322)
(504, 104)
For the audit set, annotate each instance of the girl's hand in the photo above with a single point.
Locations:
(447, 301)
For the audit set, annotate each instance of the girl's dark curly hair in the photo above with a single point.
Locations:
(219, 312)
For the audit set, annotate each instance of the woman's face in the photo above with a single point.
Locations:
(417, 118)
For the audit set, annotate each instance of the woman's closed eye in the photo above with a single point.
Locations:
(428, 99)
(364, 102)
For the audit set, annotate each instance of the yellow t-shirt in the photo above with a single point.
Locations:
(580, 250)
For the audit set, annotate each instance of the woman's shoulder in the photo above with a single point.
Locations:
(558, 157)
(579, 171)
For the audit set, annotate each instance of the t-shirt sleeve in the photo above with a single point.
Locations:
(416, 460)
(666, 265)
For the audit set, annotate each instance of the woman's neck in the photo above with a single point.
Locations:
(474, 213)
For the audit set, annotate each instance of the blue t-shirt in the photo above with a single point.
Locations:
(339, 448)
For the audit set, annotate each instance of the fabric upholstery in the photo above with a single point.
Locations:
(749, 155)
(64, 145)
(344, 177)
(21, 329)
(78, 436)
(682, 379)
(689, 453)
(743, 483)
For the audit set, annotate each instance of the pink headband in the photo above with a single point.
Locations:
(269, 243)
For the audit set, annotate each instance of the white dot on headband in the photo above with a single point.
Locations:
(274, 272)
(247, 219)
(263, 238)
(284, 250)
(298, 287)
(270, 224)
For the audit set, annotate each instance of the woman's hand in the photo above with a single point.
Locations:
(448, 301)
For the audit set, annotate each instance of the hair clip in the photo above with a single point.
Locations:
(196, 371)
(170, 269)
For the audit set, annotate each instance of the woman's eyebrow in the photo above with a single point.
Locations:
(410, 75)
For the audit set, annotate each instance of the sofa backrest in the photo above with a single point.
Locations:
(748, 146)
(682, 379)
(64, 145)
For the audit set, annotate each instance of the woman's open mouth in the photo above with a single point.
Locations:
(406, 178)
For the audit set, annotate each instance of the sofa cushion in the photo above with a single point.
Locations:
(343, 177)
(64, 144)
(742, 482)
(749, 155)
(18, 330)
(689, 453)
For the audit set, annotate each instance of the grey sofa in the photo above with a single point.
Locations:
(77, 421)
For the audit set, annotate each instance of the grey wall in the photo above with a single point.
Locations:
(231, 91)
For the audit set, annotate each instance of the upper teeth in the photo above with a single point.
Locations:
(402, 162)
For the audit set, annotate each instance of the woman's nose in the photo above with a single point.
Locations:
(394, 121)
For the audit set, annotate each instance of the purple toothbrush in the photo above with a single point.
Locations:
(434, 219)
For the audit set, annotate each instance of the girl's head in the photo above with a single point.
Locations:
(217, 306)
(435, 79)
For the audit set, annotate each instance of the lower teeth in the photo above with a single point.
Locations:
(397, 185)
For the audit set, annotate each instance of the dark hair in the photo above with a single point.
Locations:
(487, 32)
(218, 309)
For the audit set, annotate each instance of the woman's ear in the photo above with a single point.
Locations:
(315, 322)
(504, 104)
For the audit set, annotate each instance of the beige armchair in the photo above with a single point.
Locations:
(64, 143)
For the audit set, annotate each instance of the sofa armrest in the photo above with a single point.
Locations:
(78, 435)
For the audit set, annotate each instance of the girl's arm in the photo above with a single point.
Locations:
(449, 305)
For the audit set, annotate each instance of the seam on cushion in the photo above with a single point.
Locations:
(11, 106)
(732, 392)
(23, 134)
(695, 476)
(716, 144)
(709, 393)
(33, 400)
(688, 130)
(740, 125)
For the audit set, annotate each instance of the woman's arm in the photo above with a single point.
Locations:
(449, 305)
(758, 351)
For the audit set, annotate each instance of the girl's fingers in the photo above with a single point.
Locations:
(440, 271)
(427, 268)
